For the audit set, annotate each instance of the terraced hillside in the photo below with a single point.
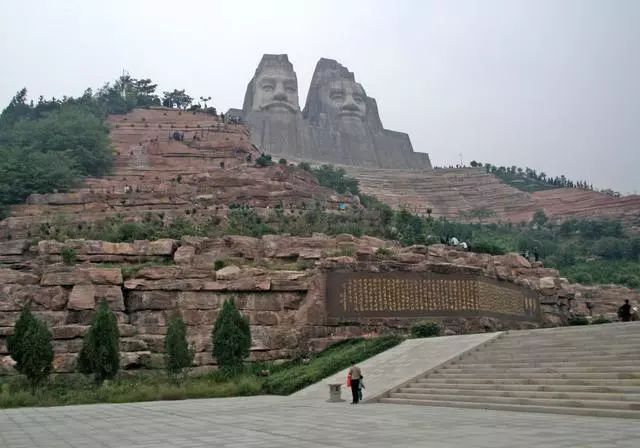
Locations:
(210, 166)
(453, 193)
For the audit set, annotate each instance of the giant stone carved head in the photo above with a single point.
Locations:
(274, 87)
(335, 96)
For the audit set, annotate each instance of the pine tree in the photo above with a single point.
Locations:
(178, 355)
(100, 354)
(231, 337)
(30, 347)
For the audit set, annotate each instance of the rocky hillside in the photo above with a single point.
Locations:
(454, 193)
(210, 166)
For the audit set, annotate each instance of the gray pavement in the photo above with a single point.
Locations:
(286, 422)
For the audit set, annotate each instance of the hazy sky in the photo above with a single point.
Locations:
(549, 84)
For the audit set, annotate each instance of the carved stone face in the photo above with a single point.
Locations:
(276, 89)
(344, 100)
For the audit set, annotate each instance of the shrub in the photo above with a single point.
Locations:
(30, 347)
(231, 337)
(304, 166)
(578, 320)
(282, 161)
(488, 247)
(383, 252)
(100, 353)
(264, 160)
(69, 255)
(218, 264)
(426, 329)
(600, 320)
(178, 355)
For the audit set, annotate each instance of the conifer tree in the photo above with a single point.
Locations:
(30, 347)
(231, 337)
(178, 355)
(100, 354)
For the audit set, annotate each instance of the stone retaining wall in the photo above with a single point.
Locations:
(278, 282)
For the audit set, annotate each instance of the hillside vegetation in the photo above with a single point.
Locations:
(530, 180)
(49, 145)
(586, 251)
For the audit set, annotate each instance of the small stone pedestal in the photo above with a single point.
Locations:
(334, 393)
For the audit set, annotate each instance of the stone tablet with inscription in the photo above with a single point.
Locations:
(403, 294)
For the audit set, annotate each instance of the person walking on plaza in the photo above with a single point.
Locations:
(356, 375)
(624, 312)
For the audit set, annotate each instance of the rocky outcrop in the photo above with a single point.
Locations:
(278, 282)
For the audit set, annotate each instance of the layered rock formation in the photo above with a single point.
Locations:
(278, 282)
(340, 123)
(208, 168)
(454, 192)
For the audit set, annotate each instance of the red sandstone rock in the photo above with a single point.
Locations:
(17, 277)
(105, 276)
(410, 258)
(69, 331)
(228, 273)
(13, 247)
(82, 297)
(184, 255)
(65, 278)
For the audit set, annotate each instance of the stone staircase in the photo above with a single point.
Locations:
(592, 371)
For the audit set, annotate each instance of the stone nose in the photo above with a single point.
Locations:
(280, 94)
(350, 104)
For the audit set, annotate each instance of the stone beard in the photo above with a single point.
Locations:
(276, 90)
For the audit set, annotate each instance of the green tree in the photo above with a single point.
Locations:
(539, 218)
(177, 98)
(178, 355)
(231, 337)
(72, 131)
(336, 179)
(30, 347)
(100, 354)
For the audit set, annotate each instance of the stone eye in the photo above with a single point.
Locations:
(337, 96)
(267, 88)
(290, 90)
(357, 99)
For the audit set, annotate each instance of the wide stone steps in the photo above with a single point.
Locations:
(591, 412)
(630, 354)
(535, 374)
(633, 390)
(578, 403)
(585, 371)
(630, 362)
(524, 394)
(543, 380)
(464, 370)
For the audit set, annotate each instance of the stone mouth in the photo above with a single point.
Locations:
(351, 114)
(279, 106)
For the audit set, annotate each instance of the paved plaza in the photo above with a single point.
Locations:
(285, 422)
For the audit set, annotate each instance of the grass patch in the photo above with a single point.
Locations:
(285, 379)
(295, 375)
